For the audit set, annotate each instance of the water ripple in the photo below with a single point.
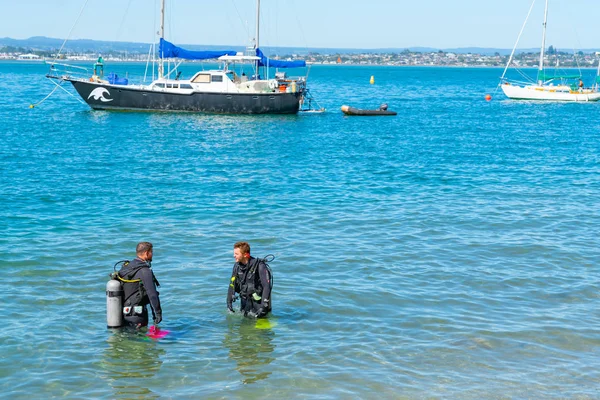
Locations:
(450, 252)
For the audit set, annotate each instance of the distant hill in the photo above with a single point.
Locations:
(76, 45)
(97, 46)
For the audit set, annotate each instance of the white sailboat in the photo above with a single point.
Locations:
(547, 87)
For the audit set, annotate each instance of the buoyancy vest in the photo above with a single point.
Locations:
(247, 280)
(133, 288)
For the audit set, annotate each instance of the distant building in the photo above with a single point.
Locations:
(28, 57)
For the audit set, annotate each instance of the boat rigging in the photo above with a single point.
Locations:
(548, 86)
(212, 91)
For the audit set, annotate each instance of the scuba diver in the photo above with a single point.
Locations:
(139, 288)
(252, 279)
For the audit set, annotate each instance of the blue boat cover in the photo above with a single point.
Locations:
(267, 62)
(169, 50)
(114, 79)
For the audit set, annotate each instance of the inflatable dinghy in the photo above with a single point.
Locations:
(358, 111)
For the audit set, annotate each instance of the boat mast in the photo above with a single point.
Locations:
(541, 67)
(257, 21)
(161, 65)
(597, 75)
(257, 33)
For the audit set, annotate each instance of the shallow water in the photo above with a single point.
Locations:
(449, 252)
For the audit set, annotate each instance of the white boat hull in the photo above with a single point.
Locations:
(548, 93)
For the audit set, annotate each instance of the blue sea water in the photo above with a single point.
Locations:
(451, 251)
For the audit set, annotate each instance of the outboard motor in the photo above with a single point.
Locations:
(383, 107)
(114, 303)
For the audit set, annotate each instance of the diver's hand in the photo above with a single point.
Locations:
(158, 318)
(261, 312)
(230, 309)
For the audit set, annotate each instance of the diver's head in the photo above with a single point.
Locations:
(144, 251)
(241, 252)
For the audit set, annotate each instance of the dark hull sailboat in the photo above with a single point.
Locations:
(100, 96)
(227, 90)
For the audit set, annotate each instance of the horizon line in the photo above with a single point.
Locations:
(307, 47)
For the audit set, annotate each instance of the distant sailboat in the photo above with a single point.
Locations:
(548, 87)
(212, 91)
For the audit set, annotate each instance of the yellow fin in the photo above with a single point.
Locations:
(263, 323)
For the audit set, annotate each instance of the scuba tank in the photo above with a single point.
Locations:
(114, 303)
(114, 299)
(257, 291)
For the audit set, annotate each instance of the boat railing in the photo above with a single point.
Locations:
(61, 70)
(518, 82)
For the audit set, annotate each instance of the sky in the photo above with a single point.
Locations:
(373, 24)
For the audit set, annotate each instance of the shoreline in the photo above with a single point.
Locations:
(309, 64)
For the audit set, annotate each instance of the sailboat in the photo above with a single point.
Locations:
(221, 90)
(548, 86)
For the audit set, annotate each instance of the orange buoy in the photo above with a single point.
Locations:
(488, 97)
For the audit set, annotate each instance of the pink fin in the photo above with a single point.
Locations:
(155, 332)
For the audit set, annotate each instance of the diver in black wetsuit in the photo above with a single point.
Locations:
(251, 279)
(139, 288)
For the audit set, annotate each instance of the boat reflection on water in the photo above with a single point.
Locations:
(251, 348)
(129, 363)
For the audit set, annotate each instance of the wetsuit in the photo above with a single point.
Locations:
(253, 282)
(137, 295)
